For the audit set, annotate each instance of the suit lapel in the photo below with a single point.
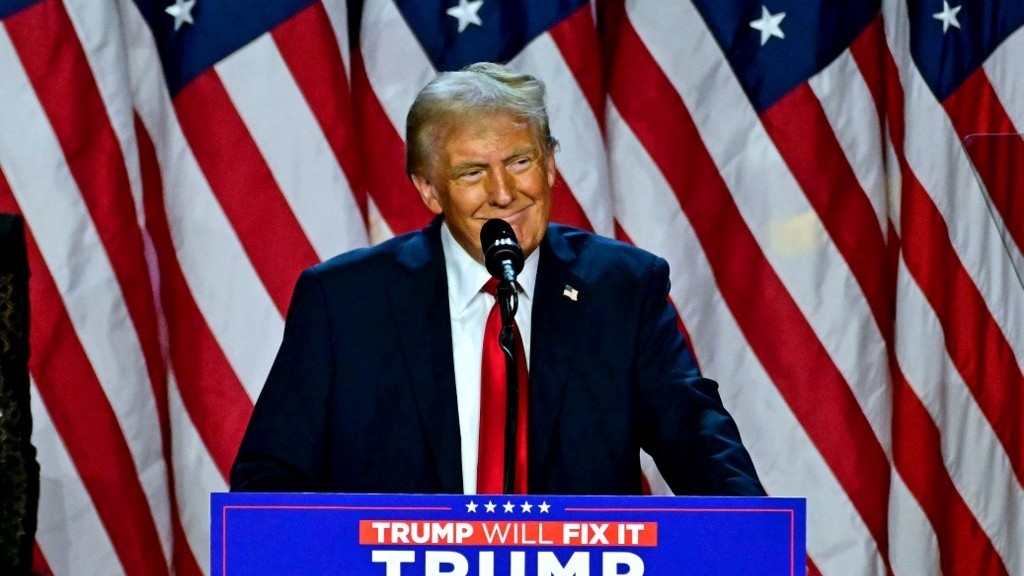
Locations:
(419, 297)
(554, 341)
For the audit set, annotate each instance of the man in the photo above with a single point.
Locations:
(377, 384)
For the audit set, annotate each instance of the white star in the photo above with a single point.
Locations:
(490, 506)
(471, 507)
(466, 12)
(947, 16)
(526, 506)
(544, 507)
(182, 12)
(509, 507)
(768, 24)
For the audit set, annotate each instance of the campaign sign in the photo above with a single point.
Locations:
(415, 535)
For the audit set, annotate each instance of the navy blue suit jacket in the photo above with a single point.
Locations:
(361, 397)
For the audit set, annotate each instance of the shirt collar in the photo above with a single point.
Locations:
(466, 276)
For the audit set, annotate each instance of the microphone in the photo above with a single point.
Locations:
(503, 256)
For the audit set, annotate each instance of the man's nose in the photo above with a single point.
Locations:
(502, 188)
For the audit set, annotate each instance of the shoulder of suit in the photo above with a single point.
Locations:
(589, 246)
(367, 260)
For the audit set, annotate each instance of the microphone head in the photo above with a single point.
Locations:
(500, 244)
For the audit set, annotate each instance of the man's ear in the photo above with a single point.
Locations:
(428, 193)
(549, 164)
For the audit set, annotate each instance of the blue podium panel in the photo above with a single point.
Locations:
(416, 535)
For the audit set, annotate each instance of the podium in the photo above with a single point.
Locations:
(522, 535)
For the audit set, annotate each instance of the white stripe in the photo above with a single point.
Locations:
(294, 146)
(96, 24)
(847, 102)
(32, 160)
(196, 477)
(235, 310)
(971, 451)
(396, 64)
(774, 208)
(581, 156)
(914, 549)
(379, 229)
(1005, 70)
(935, 155)
(70, 534)
(337, 13)
(786, 460)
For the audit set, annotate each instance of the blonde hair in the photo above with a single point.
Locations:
(483, 87)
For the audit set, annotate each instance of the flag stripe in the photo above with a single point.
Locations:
(576, 38)
(95, 160)
(387, 72)
(788, 462)
(198, 474)
(393, 195)
(968, 435)
(805, 139)
(817, 392)
(964, 548)
(244, 186)
(976, 109)
(973, 456)
(70, 537)
(292, 146)
(211, 392)
(96, 445)
(320, 73)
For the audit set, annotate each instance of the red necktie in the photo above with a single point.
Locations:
(490, 470)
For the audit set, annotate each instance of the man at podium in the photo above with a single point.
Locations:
(389, 377)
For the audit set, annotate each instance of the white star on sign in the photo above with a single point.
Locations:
(182, 12)
(768, 24)
(947, 16)
(490, 506)
(544, 507)
(509, 507)
(466, 12)
(526, 506)
(471, 507)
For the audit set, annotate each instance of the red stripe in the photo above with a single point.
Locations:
(61, 77)
(310, 50)
(803, 136)
(69, 388)
(868, 51)
(976, 344)
(39, 565)
(395, 196)
(576, 38)
(217, 404)
(244, 186)
(565, 209)
(964, 548)
(184, 561)
(975, 109)
(773, 324)
(917, 451)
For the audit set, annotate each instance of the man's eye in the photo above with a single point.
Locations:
(520, 164)
(471, 176)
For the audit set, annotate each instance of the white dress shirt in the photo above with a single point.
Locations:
(469, 308)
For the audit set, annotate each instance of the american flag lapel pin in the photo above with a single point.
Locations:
(571, 293)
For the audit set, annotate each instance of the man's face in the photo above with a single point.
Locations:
(490, 166)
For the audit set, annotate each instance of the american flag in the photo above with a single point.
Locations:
(835, 184)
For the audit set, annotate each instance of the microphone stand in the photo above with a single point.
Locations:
(508, 303)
